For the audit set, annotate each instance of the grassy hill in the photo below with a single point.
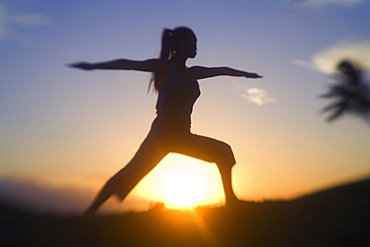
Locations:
(335, 217)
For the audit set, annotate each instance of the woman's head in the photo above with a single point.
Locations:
(180, 41)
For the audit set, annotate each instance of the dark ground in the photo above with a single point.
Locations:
(334, 217)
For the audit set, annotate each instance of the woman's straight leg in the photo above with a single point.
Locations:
(146, 158)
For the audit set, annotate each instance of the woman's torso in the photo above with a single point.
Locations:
(176, 99)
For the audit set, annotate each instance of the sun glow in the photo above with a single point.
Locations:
(181, 182)
(182, 189)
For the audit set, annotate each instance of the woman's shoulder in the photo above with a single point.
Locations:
(163, 65)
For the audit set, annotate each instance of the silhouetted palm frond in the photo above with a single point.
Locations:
(351, 94)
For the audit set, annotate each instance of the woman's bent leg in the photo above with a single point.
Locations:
(226, 176)
(212, 150)
(128, 177)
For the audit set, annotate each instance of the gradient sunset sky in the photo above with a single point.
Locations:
(66, 131)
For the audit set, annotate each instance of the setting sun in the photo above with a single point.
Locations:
(181, 182)
(182, 189)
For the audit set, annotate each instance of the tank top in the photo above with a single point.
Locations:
(175, 101)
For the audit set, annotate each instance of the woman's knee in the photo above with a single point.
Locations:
(225, 155)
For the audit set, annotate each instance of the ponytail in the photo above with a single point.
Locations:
(167, 53)
(167, 44)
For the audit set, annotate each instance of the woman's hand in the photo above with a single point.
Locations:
(82, 65)
(253, 75)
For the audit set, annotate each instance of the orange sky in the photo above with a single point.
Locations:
(67, 131)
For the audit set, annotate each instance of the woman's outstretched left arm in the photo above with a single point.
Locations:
(204, 72)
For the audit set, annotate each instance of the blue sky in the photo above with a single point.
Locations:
(64, 128)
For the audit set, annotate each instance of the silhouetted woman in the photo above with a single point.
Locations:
(177, 89)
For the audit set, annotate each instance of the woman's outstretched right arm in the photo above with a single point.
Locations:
(150, 65)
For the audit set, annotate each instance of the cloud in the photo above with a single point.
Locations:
(302, 63)
(9, 22)
(29, 20)
(327, 59)
(31, 194)
(326, 2)
(258, 96)
(3, 29)
(349, 2)
(40, 198)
